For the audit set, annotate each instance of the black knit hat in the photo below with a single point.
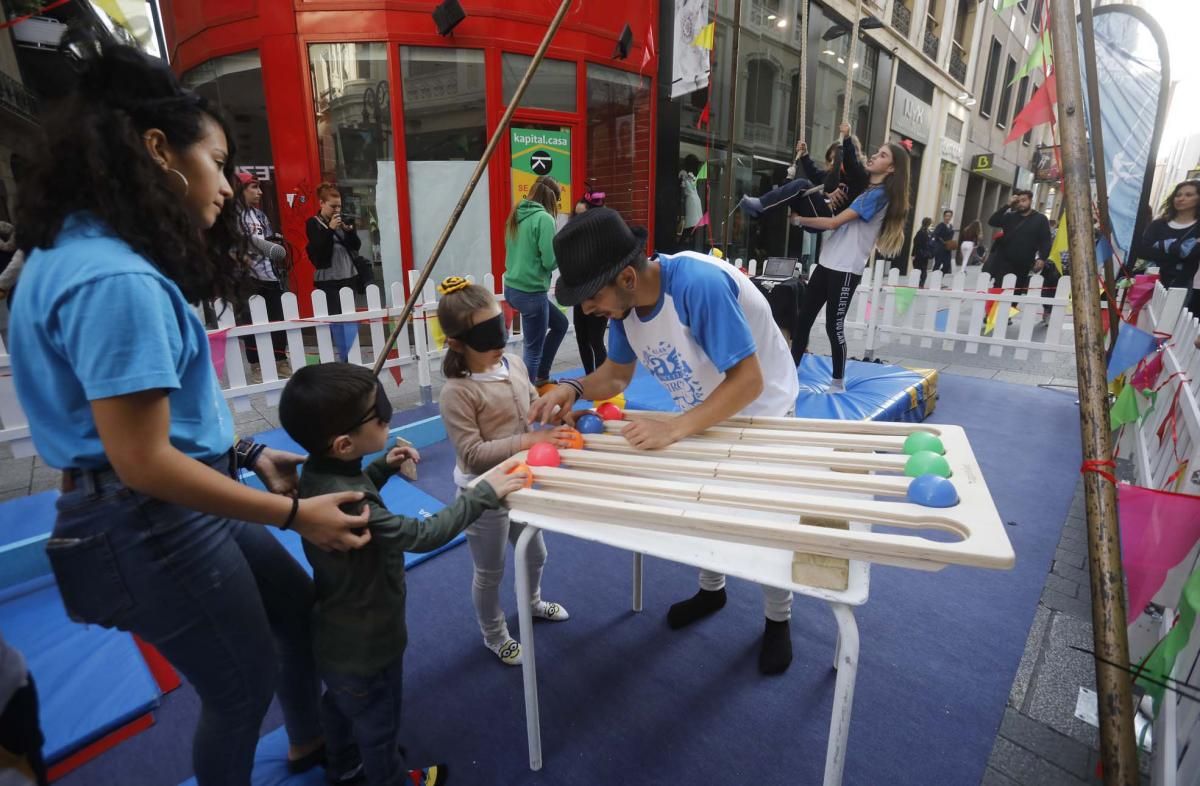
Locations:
(591, 250)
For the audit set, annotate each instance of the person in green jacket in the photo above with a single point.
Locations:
(340, 413)
(528, 263)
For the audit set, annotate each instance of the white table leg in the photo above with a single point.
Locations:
(843, 692)
(533, 728)
(637, 582)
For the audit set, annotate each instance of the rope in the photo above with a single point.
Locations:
(802, 103)
(852, 48)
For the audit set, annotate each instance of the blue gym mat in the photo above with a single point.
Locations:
(27, 525)
(270, 765)
(874, 391)
(91, 680)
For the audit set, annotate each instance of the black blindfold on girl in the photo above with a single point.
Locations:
(487, 335)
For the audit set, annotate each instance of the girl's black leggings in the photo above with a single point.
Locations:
(832, 289)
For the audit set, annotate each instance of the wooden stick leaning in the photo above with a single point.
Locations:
(435, 254)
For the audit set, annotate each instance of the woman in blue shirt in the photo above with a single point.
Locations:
(127, 218)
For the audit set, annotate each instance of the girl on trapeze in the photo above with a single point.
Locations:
(822, 192)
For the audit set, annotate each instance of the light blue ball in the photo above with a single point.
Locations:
(590, 424)
(932, 492)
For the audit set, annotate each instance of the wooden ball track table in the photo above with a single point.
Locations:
(801, 504)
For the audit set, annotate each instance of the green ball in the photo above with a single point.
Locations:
(926, 462)
(923, 440)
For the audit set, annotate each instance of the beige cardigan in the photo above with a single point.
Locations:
(486, 420)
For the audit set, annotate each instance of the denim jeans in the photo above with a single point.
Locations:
(361, 716)
(220, 599)
(538, 313)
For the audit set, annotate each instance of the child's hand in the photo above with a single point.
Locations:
(502, 482)
(400, 454)
(559, 437)
(844, 129)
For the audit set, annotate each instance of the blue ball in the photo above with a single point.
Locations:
(590, 424)
(932, 491)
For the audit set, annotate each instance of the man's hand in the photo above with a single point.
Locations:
(400, 454)
(652, 434)
(844, 130)
(1012, 203)
(277, 470)
(1038, 265)
(553, 406)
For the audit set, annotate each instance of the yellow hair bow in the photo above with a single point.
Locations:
(452, 284)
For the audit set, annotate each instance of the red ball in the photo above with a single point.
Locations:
(543, 454)
(610, 411)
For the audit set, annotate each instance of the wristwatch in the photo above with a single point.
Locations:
(247, 453)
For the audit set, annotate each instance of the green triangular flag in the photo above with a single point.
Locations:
(1159, 665)
(1042, 56)
(1124, 409)
(703, 173)
(1006, 4)
(904, 299)
(1152, 397)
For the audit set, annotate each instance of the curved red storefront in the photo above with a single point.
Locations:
(368, 95)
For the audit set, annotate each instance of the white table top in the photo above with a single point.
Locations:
(759, 564)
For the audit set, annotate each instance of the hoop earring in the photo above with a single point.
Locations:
(186, 186)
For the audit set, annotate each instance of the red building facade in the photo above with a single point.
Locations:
(366, 94)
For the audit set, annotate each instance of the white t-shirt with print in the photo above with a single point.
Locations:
(847, 248)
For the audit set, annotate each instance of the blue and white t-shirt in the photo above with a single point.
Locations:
(709, 318)
(847, 248)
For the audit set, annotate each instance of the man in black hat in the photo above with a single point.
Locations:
(706, 334)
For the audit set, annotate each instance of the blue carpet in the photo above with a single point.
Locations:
(624, 700)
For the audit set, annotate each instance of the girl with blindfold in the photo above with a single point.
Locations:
(485, 406)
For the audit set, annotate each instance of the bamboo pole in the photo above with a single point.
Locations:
(731, 158)
(456, 214)
(1117, 749)
(1097, 137)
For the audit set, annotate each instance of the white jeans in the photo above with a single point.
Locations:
(777, 603)
(487, 538)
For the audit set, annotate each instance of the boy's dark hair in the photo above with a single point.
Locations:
(323, 401)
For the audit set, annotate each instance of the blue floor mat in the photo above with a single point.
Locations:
(874, 391)
(270, 765)
(91, 680)
(27, 525)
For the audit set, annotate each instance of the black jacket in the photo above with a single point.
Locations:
(847, 168)
(321, 240)
(1175, 251)
(1026, 238)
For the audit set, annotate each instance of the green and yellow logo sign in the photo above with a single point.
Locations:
(537, 152)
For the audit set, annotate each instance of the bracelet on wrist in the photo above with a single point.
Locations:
(573, 385)
(292, 516)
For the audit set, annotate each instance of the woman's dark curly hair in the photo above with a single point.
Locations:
(92, 158)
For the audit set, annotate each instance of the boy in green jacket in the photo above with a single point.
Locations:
(339, 413)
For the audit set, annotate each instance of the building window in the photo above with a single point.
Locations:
(954, 128)
(761, 76)
(234, 83)
(552, 87)
(1006, 94)
(619, 148)
(988, 93)
(352, 99)
(1035, 20)
(445, 133)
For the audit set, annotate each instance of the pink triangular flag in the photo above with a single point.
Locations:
(216, 350)
(1148, 374)
(1158, 530)
(648, 49)
(703, 220)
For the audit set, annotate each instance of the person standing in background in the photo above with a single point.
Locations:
(968, 243)
(589, 330)
(1025, 238)
(922, 248)
(1172, 241)
(264, 247)
(943, 252)
(332, 243)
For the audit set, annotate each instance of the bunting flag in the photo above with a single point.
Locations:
(648, 49)
(1006, 4)
(1147, 376)
(344, 336)
(1132, 345)
(1041, 56)
(1038, 112)
(942, 320)
(1104, 250)
(1060, 244)
(1124, 409)
(703, 173)
(992, 306)
(702, 121)
(1140, 293)
(704, 39)
(703, 220)
(1157, 667)
(904, 299)
(1158, 531)
(216, 350)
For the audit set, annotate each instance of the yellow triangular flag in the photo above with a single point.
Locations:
(705, 38)
(1060, 243)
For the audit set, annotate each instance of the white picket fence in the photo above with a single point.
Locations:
(239, 381)
(933, 317)
(1171, 463)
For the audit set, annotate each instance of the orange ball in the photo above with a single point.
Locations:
(574, 439)
(610, 411)
(524, 468)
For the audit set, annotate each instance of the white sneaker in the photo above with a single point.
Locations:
(837, 386)
(508, 651)
(550, 611)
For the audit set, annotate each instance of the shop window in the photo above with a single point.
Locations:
(954, 128)
(352, 99)
(234, 84)
(761, 75)
(553, 86)
(619, 146)
(445, 133)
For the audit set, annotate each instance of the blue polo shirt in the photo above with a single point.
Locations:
(92, 319)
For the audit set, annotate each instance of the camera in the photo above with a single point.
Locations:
(348, 218)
